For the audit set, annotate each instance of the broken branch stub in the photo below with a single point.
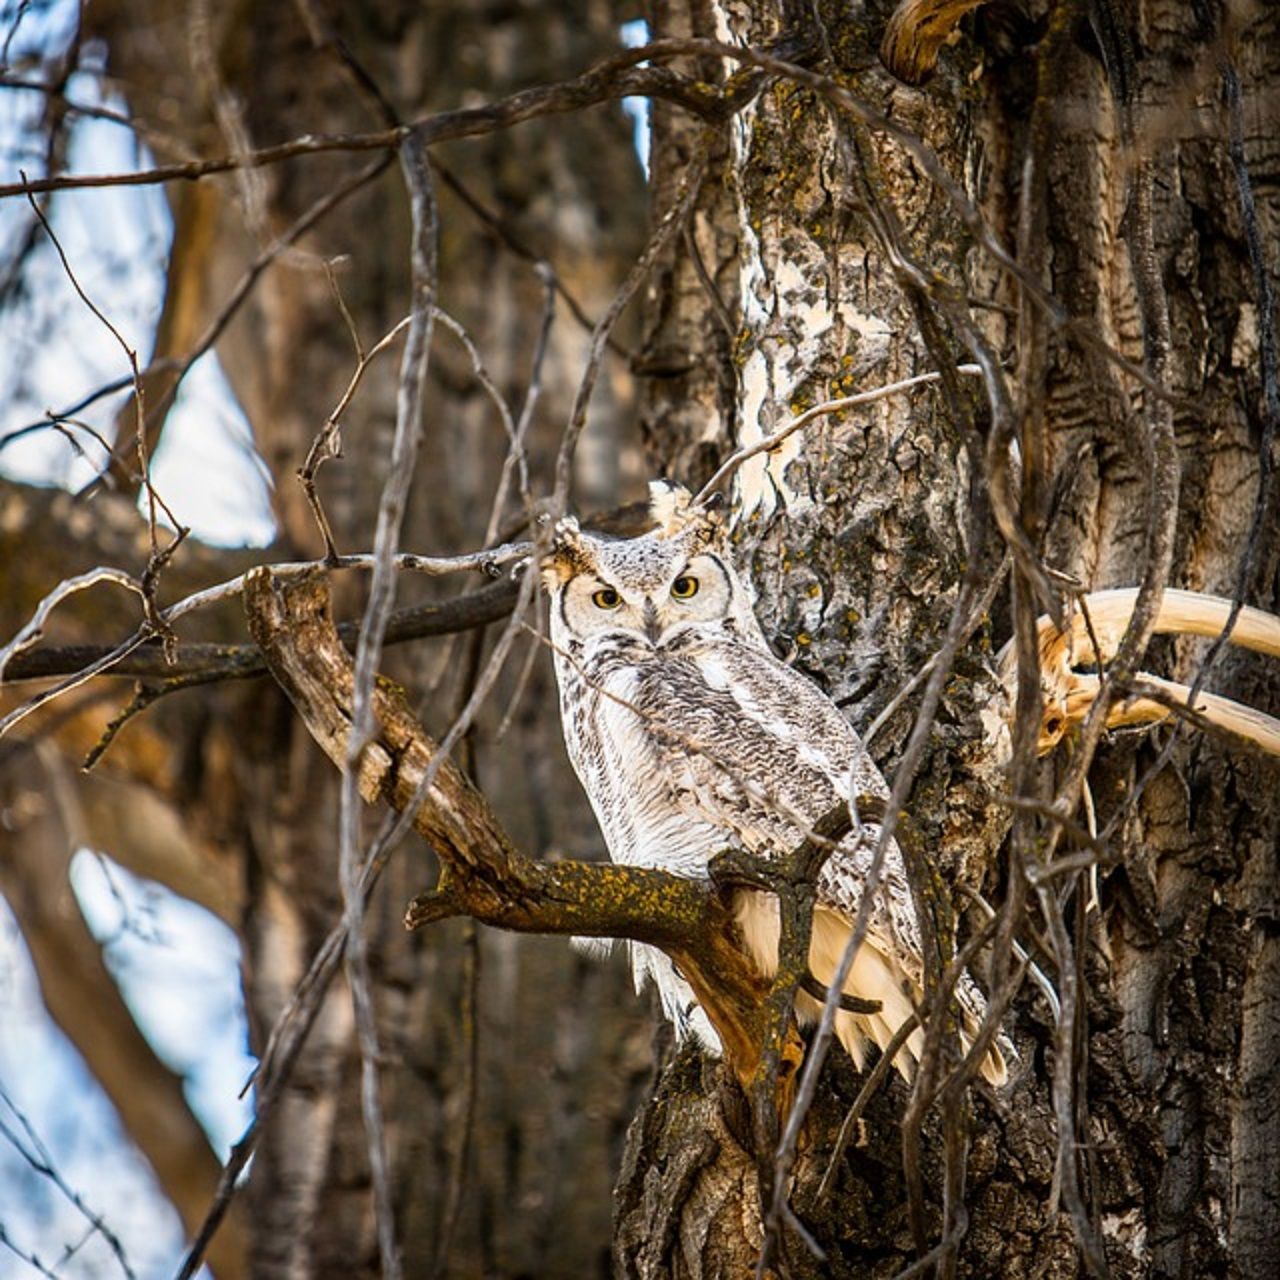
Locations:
(1103, 616)
(483, 875)
(917, 31)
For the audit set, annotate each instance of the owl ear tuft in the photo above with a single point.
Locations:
(568, 555)
(668, 506)
(673, 510)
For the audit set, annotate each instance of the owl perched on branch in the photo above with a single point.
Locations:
(691, 738)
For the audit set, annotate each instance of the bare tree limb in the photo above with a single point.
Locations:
(614, 78)
(207, 663)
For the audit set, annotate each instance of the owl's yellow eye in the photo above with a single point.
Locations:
(685, 587)
(606, 598)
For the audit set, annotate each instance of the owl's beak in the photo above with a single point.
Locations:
(652, 624)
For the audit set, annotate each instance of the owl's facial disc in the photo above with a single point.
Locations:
(698, 594)
(684, 595)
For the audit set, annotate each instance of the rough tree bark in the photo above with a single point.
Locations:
(823, 257)
(859, 537)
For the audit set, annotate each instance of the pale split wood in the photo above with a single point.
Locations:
(1069, 693)
(1244, 721)
(1181, 612)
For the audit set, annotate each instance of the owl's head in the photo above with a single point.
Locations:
(674, 581)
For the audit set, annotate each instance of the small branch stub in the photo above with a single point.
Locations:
(915, 33)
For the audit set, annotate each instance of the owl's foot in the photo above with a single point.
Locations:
(738, 869)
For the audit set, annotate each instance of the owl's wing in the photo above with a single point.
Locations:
(757, 750)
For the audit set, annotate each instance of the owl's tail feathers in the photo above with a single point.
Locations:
(995, 1066)
(878, 975)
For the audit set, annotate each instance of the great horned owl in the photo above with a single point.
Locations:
(690, 737)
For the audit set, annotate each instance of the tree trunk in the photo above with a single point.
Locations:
(858, 534)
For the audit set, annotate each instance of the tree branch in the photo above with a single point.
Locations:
(613, 78)
(200, 663)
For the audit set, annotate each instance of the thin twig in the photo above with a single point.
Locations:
(772, 441)
(615, 77)
(37, 1155)
(718, 307)
(672, 221)
(82, 676)
(1038, 975)
(245, 285)
(469, 1027)
(869, 1087)
(327, 443)
(159, 556)
(19, 13)
(287, 1037)
(34, 629)
(52, 417)
(31, 1259)
(980, 610)
(460, 1156)
(962, 620)
(513, 703)
(512, 242)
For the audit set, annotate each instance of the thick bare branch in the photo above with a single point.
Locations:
(208, 663)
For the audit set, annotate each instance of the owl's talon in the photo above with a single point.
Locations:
(737, 869)
(850, 1004)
